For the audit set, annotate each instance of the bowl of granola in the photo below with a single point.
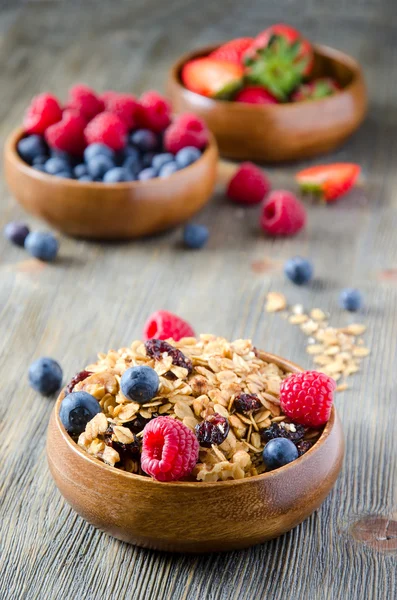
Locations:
(189, 446)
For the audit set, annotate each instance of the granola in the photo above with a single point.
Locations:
(223, 378)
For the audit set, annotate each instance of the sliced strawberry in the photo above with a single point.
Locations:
(329, 181)
(255, 94)
(316, 89)
(212, 78)
(233, 51)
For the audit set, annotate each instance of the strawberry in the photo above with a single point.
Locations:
(316, 89)
(255, 94)
(329, 181)
(212, 78)
(291, 36)
(233, 51)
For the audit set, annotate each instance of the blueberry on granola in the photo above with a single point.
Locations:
(246, 403)
(213, 430)
(76, 410)
(156, 348)
(279, 452)
(140, 384)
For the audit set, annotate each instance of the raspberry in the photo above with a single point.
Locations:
(249, 185)
(187, 130)
(156, 348)
(84, 100)
(76, 379)
(155, 112)
(213, 430)
(245, 403)
(68, 134)
(43, 111)
(163, 325)
(107, 129)
(125, 106)
(282, 214)
(169, 449)
(307, 397)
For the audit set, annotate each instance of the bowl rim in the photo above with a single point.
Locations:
(284, 363)
(10, 153)
(320, 49)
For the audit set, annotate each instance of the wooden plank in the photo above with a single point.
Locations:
(98, 295)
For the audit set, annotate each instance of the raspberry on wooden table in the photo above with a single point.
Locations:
(107, 128)
(84, 100)
(249, 185)
(169, 449)
(282, 214)
(307, 397)
(154, 112)
(163, 325)
(43, 111)
(186, 130)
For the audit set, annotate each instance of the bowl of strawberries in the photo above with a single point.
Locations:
(110, 166)
(272, 98)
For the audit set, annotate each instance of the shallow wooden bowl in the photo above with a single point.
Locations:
(111, 211)
(280, 132)
(195, 516)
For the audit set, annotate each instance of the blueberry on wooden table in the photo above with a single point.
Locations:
(42, 245)
(299, 270)
(16, 232)
(45, 376)
(195, 236)
(351, 299)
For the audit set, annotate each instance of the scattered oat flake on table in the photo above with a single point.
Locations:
(275, 301)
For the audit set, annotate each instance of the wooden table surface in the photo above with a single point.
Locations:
(97, 296)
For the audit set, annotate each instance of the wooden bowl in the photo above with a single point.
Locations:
(111, 211)
(195, 516)
(280, 132)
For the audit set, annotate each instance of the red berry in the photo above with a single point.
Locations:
(255, 94)
(67, 135)
(107, 129)
(84, 100)
(282, 214)
(306, 398)
(187, 130)
(163, 325)
(43, 111)
(155, 112)
(125, 106)
(249, 185)
(169, 449)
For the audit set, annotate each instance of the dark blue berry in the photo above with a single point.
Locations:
(159, 160)
(86, 178)
(145, 140)
(16, 232)
(45, 376)
(168, 169)
(147, 174)
(195, 236)
(94, 150)
(56, 165)
(30, 147)
(351, 299)
(40, 160)
(77, 408)
(133, 165)
(116, 175)
(129, 152)
(42, 245)
(279, 452)
(80, 170)
(99, 165)
(140, 384)
(62, 154)
(146, 159)
(299, 270)
(187, 156)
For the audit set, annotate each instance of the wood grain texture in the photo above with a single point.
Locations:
(97, 296)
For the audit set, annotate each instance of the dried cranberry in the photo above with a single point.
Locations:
(156, 349)
(245, 403)
(125, 451)
(76, 379)
(276, 431)
(139, 423)
(303, 447)
(213, 430)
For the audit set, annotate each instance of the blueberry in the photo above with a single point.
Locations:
(132, 164)
(147, 174)
(99, 165)
(351, 299)
(62, 154)
(94, 150)
(115, 175)
(299, 270)
(144, 139)
(77, 408)
(187, 156)
(30, 147)
(168, 169)
(279, 452)
(40, 160)
(45, 376)
(195, 236)
(159, 160)
(140, 384)
(86, 178)
(129, 152)
(147, 159)
(40, 168)
(16, 232)
(80, 170)
(42, 245)
(56, 165)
